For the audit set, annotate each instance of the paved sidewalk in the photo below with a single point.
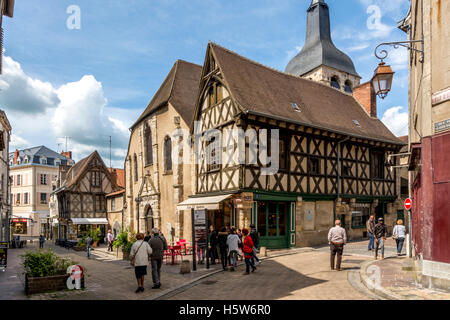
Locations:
(388, 278)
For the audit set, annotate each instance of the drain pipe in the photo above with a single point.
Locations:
(339, 175)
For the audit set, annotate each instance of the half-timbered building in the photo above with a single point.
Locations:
(332, 159)
(82, 197)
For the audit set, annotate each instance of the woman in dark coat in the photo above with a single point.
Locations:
(222, 243)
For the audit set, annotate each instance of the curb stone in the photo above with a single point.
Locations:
(173, 291)
(377, 289)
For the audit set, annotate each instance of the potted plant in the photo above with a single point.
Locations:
(81, 245)
(95, 235)
(123, 244)
(45, 271)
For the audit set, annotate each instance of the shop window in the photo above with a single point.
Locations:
(20, 226)
(377, 165)
(262, 219)
(360, 216)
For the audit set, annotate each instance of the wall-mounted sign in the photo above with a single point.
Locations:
(441, 126)
(441, 96)
(245, 201)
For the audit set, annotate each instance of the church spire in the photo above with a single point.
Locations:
(319, 48)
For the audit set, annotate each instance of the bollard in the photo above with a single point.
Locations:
(263, 252)
(185, 267)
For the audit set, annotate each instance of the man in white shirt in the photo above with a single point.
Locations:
(337, 238)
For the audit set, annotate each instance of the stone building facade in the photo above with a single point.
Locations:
(429, 137)
(5, 188)
(155, 181)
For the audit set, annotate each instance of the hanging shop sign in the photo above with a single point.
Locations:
(245, 201)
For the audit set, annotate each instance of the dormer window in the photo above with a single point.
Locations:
(44, 160)
(57, 163)
(19, 161)
(348, 87)
(335, 82)
(26, 160)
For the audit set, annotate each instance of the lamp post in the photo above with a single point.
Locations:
(383, 75)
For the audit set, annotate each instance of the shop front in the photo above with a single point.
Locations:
(81, 227)
(273, 215)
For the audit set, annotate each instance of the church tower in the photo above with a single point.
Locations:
(320, 60)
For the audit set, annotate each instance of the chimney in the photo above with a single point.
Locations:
(365, 95)
(16, 156)
(67, 154)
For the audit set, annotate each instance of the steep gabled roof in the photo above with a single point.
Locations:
(264, 91)
(119, 176)
(76, 172)
(180, 88)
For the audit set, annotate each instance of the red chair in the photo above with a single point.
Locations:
(177, 252)
(168, 255)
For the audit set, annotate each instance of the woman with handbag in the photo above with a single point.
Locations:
(399, 235)
(140, 255)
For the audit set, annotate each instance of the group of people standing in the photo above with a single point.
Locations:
(148, 248)
(230, 244)
(377, 232)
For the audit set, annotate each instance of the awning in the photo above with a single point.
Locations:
(89, 221)
(208, 203)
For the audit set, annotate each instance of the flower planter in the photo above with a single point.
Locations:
(122, 255)
(47, 284)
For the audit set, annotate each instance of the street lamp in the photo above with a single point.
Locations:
(382, 80)
(383, 75)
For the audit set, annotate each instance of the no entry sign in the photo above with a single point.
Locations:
(408, 204)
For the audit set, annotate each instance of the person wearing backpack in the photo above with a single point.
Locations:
(158, 244)
(89, 242)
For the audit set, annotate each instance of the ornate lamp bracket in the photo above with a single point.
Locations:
(383, 54)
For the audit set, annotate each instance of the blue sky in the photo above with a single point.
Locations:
(94, 82)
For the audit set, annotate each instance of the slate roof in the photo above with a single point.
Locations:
(319, 48)
(264, 91)
(36, 153)
(180, 88)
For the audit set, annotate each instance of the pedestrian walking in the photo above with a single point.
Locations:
(241, 246)
(140, 255)
(41, 241)
(223, 249)
(399, 235)
(158, 244)
(337, 238)
(147, 236)
(248, 247)
(370, 225)
(89, 242)
(255, 237)
(110, 239)
(380, 232)
(233, 243)
(213, 241)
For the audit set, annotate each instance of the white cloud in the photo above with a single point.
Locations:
(396, 121)
(21, 93)
(17, 142)
(41, 114)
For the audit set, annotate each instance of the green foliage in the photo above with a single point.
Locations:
(82, 242)
(44, 263)
(125, 240)
(95, 234)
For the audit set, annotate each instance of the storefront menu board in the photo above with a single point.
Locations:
(3, 254)
(200, 227)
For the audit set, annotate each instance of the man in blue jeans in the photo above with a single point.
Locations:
(370, 225)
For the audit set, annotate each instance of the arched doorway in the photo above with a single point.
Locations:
(149, 222)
